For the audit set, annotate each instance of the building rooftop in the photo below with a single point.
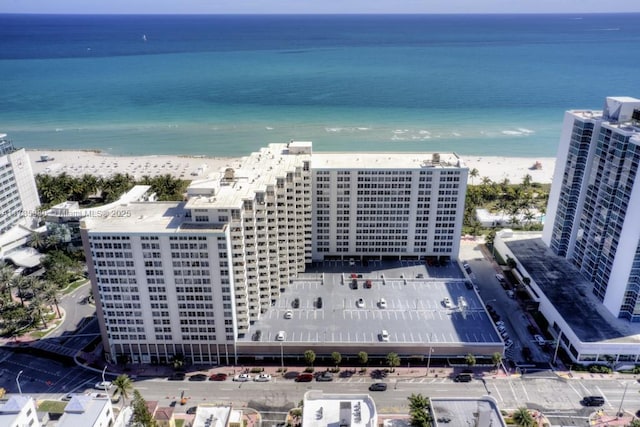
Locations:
(333, 409)
(570, 292)
(215, 416)
(386, 161)
(481, 412)
(157, 217)
(415, 312)
(83, 410)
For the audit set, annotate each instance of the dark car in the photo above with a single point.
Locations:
(593, 401)
(378, 387)
(463, 378)
(324, 377)
(218, 377)
(304, 378)
(296, 303)
(354, 284)
(368, 284)
(319, 302)
(198, 377)
(177, 376)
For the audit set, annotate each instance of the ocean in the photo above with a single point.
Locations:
(226, 85)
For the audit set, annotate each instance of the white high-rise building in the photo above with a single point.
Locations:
(190, 278)
(19, 199)
(595, 200)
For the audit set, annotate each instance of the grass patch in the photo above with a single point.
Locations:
(179, 422)
(54, 406)
(75, 285)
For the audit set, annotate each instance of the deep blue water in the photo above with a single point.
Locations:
(227, 85)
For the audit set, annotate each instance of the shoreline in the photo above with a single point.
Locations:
(190, 167)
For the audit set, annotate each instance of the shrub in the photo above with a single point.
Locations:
(308, 369)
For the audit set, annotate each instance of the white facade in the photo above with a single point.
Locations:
(18, 197)
(594, 202)
(189, 278)
(83, 410)
(19, 411)
(349, 410)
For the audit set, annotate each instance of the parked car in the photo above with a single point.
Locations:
(378, 387)
(360, 303)
(384, 335)
(280, 336)
(382, 303)
(103, 385)
(218, 377)
(288, 314)
(296, 303)
(447, 302)
(177, 376)
(242, 378)
(198, 377)
(262, 378)
(304, 378)
(319, 302)
(539, 339)
(368, 284)
(325, 376)
(354, 284)
(500, 278)
(419, 276)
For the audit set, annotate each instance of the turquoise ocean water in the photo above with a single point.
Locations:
(227, 85)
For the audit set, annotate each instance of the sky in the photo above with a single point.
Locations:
(316, 6)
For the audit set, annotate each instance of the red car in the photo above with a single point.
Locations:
(304, 378)
(218, 377)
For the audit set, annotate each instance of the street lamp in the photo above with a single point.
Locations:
(619, 414)
(429, 360)
(103, 371)
(18, 381)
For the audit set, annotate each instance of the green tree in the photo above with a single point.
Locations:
(363, 357)
(420, 410)
(123, 385)
(634, 423)
(523, 417)
(178, 362)
(393, 360)
(337, 358)
(141, 417)
(6, 274)
(473, 173)
(309, 357)
(470, 359)
(490, 238)
(496, 358)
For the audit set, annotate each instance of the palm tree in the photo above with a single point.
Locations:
(473, 173)
(337, 358)
(420, 410)
(6, 274)
(523, 417)
(496, 358)
(393, 360)
(50, 294)
(36, 241)
(123, 385)
(309, 357)
(470, 359)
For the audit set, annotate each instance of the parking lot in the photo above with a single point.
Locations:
(332, 305)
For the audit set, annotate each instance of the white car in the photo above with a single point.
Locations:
(384, 335)
(103, 385)
(360, 303)
(262, 378)
(280, 336)
(447, 302)
(242, 378)
(288, 314)
(539, 339)
(382, 303)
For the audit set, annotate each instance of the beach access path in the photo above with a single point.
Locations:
(78, 163)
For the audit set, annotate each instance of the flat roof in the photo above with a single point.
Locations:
(570, 292)
(146, 217)
(415, 312)
(467, 412)
(338, 409)
(374, 160)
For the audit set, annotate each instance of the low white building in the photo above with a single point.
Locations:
(19, 411)
(332, 409)
(217, 416)
(87, 411)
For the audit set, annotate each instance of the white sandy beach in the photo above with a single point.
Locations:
(77, 163)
